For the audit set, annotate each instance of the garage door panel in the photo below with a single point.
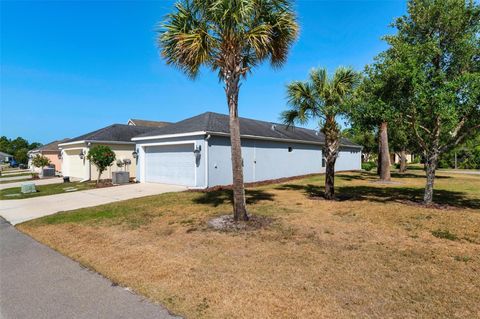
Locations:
(170, 164)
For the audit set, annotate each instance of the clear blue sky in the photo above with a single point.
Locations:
(68, 67)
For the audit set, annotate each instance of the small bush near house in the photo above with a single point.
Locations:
(40, 161)
(102, 157)
(368, 166)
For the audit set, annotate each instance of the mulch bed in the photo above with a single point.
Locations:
(420, 204)
(226, 223)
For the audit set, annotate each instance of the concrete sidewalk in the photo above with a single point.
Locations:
(19, 210)
(46, 181)
(37, 282)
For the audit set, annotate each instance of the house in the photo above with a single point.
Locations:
(117, 136)
(147, 123)
(196, 152)
(50, 151)
(5, 158)
(395, 158)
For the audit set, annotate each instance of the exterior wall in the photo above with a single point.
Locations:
(75, 167)
(395, 158)
(263, 160)
(72, 165)
(122, 151)
(349, 159)
(200, 165)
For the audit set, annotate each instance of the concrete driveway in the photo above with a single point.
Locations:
(38, 282)
(46, 181)
(20, 210)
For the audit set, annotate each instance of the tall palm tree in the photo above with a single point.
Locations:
(230, 37)
(322, 98)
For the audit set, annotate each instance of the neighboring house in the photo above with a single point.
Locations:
(395, 158)
(196, 152)
(51, 151)
(117, 136)
(147, 123)
(5, 158)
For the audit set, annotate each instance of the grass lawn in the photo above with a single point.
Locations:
(14, 175)
(16, 180)
(373, 255)
(43, 190)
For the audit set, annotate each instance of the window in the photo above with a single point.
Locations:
(290, 149)
(323, 162)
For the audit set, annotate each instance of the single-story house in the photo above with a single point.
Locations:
(117, 136)
(196, 152)
(50, 151)
(395, 158)
(5, 157)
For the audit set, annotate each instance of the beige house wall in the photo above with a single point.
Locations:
(75, 167)
(122, 151)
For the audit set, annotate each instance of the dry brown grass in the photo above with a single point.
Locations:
(368, 256)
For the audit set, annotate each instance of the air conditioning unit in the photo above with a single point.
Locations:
(119, 178)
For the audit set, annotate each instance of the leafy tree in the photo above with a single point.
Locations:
(436, 60)
(17, 147)
(21, 155)
(365, 138)
(322, 98)
(102, 157)
(374, 107)
(231, 38)
(40, 161)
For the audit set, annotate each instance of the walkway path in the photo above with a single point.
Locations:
(19, 210)
(45, 181)
(38, 282)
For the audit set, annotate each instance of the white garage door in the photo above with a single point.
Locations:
(170, 164)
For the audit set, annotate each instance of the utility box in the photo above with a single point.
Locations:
(48, 172)
(119, 178)
(28, 188)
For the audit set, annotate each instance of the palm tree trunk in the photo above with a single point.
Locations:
(332, 144)
(384, 153)
(239, 203)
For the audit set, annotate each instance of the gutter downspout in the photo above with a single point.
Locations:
(206, 159)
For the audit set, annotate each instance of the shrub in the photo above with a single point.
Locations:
(40, 161)
(368, 166)
(102, 157)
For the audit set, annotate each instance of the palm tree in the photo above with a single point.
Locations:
(230, 37)
(322, 98)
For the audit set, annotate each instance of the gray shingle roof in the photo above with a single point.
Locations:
(50, 147)
(157, 124)
(219, 123)
(114, 133)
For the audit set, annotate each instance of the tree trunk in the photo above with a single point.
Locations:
(98, 178)
(431, 166)
(384, 153)
(239, 203)
(332, 144)
(379, 157)
(403, 161)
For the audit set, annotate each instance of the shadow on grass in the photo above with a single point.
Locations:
(219, 197)
(388, 194)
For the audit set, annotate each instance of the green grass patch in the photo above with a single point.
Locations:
(44, 190)
(444, 234)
